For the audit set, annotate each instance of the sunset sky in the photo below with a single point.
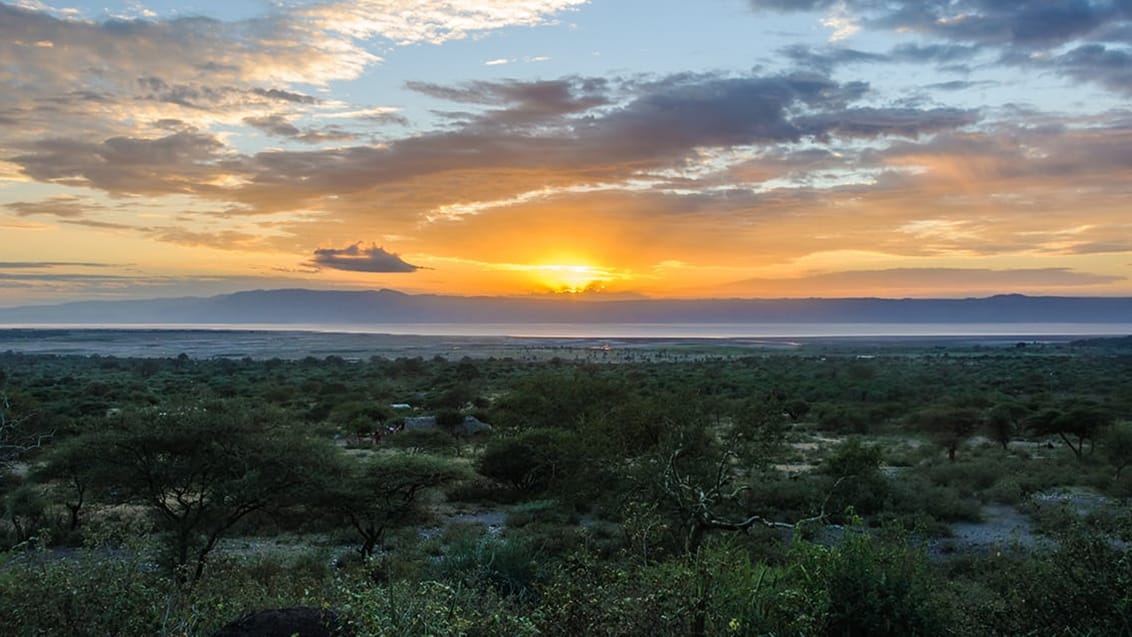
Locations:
(611, 148)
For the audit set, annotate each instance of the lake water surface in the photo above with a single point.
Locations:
(595, 341)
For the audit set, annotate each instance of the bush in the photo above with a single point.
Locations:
(860, 484)
(507, 566)
(865, 586)
(532, 461)
(1081, 588)
(94, 595)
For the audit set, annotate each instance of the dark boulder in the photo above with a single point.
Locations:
(289, 622)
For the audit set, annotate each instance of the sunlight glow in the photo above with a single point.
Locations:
(572, 279)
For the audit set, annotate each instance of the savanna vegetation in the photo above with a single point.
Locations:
(816, 491)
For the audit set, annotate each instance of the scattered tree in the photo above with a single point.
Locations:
(950, 426)
(1074, 424)
(1003, 421)
(203, 470)
(382, 493)
(531, 461)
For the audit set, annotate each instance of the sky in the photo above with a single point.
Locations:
(589, 148)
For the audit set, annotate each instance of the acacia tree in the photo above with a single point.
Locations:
(381, 493)
(68, 465)
(202, 470)
(950, 426)
(1074, 424)
(531, 461)
(1003, 421)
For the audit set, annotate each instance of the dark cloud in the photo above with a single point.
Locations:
(523, 103)
(37, 265)
(379, 117)
(63, 207)
(1101, 247)
(285, 96)
(325, 134)
(959, 85)
(280, 126)
(101, 225)
(673, 116)
(204, 96)
(904, 122)
(1016, 29)
(1105, 65)
(4, 276)
(277, 125)
(1042, 23)
(224, 240)
(949, 54)
(179, 163)
(355, 258)
(827, 59)
(1031, 24)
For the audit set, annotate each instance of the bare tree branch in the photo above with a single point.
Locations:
(13, 442)
(699, 506)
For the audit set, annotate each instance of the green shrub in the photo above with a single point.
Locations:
(865, 586)
(508, 566)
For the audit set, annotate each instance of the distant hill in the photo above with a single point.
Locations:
(378, 307)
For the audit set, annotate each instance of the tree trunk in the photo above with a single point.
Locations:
(74, 509)
(181, 557)
(695, 538)
(1077, 451)
(368, 545)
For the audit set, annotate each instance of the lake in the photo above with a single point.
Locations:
(593, 341)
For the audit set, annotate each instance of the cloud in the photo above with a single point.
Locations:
(826, 59)
(38, 265)
(375, 114)
(1101, 247)
(1075, 38)
(432, 21)
(223, 239)
(1106, 65)
(87, 80)
(1045, 23)
(61, 206)
(277, 125)
(840, 23)
(892, 122)
(572, 131)
(355, 258)
(183, 162)
(522, 103)
(280, 126)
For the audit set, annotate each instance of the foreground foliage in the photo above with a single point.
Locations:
(805, 493)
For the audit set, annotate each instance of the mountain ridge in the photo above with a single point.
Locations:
(386, 306)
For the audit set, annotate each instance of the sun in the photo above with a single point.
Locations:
(572, 278)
